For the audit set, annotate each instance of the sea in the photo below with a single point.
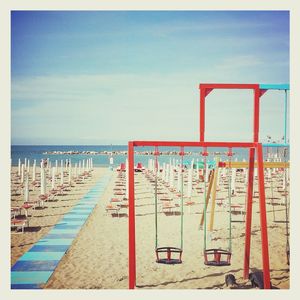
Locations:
(39, 152)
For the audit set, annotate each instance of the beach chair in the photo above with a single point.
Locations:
(238, 210)
(52, 194)
(112, 209)
(121, 168)
(26, 206)
(42, 199)
(170, 208)
(139, 167)
(15, 210)
(18, 223)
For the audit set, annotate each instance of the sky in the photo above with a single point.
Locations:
(107, 77)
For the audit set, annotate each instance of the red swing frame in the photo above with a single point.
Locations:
(253, 147)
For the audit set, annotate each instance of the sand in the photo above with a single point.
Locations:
(41, 220)
(98, 257)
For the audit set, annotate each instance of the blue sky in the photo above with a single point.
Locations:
(109, 77)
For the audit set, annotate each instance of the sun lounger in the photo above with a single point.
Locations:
(19, 223)
(113, 209)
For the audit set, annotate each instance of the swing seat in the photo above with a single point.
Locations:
(216, 260)
(169, 259)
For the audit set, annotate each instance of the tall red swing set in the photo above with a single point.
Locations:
(255, 147)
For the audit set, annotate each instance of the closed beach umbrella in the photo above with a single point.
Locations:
(25, 162)
(233, 175)
(190, 178)
(53, 179)
(70, 173)
(269, 173)
(92, 163)
(127, 180)
(224, 172)
(244, 170)
(218, 178)
(167, 173)
(206, 173)
(28, 166)
(163, 174)
(75, 170)
(43, 182)
(179, 179)
(246, 175)
(19, 167)
(284, 180)
(22, 173)
(26, 196)
(33, 170)
(56, 166)
(61, 176)
(171, 178)
(255, 172)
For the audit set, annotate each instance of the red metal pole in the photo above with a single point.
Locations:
(131, 229)
(202, 113)
(263, 218)
(256, 114)
(249, 213)
(195, 144)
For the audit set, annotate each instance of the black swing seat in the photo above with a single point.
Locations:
(217, 255)
(169, 259)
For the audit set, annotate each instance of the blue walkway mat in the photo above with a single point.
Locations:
(34, 268)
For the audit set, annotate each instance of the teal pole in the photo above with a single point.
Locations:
(285, 115)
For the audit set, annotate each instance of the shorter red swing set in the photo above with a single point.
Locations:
(254, 147)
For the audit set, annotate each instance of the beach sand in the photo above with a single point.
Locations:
(98, 257)
(41, 220)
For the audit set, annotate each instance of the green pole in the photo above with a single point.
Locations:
(204, 245)
(229, 201)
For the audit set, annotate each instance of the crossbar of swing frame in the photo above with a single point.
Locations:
(263, 220)
(258, 89)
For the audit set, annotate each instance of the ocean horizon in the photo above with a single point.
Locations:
(102, 153)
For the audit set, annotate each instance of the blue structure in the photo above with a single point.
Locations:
(35, 267)
(281, 87)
